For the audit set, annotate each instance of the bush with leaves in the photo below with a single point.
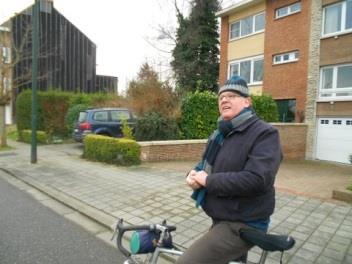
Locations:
(72, 116)
(127, 131)
(54, 105)
(154, 126)
(118, 151)
(24, 111)
(147, 94)
(265, 107)
(199, 114)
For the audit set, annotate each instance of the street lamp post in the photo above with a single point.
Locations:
(35, 48)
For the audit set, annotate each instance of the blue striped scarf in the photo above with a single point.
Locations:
(225, 128)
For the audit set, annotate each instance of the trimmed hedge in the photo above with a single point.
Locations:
(26, 136)
(52, 109)
(117, 151)
(24, 111)
(265, 107)
(199, 114)
(72, 116)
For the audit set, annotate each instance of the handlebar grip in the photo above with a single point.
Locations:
(122, 229)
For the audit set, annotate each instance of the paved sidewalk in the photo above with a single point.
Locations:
(148, 194)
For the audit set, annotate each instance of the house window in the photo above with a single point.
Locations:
(6, 54)
(286, 109)
(286, 57)
(6, 84)
(336, 82)
(250, 69)
(288, 10)
(337, 18)
(247, 26)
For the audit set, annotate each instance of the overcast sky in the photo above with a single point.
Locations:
(122, 31)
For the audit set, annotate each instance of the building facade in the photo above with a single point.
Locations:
(66, 59)
(307, 64)
(6, 72)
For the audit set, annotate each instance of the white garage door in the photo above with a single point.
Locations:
(334, 139)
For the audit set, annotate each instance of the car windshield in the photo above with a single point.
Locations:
(82, 117)
(117, 115)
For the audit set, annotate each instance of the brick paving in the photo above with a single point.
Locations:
(148, 194)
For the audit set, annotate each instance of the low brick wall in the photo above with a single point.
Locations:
(172, 150)
(293, 139)
(293, 142)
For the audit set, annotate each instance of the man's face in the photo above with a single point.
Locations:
(231, 104)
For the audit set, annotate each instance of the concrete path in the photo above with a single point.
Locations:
(150, 193)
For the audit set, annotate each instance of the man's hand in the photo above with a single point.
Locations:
(201, 178)
(191, 181)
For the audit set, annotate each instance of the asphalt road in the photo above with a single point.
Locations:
(32, 233)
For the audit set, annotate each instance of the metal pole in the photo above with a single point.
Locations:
(35, 47)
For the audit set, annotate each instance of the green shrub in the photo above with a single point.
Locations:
(265, 107)
(26, 136)
(126, 130)
(54, 105)
(154, 126)
(72, 116)
(111, 150)
(91, 99)
(24, 111)
(199, 113)
(349, 188)
(52, 108)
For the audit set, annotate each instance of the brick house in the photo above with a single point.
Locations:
(300, 52)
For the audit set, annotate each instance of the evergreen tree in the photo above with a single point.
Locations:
(195, 56)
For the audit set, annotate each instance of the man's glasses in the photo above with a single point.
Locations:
(229, 96)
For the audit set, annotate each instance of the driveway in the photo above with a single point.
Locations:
(308, 178)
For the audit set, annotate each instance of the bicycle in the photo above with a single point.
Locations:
(161, 243)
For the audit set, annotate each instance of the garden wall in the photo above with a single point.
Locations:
(292, 136)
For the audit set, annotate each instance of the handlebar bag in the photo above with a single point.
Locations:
(145, 241)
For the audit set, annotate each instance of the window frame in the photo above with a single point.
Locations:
(6, 54)
(343, 29)
(96, 114)
(289, 12)
(281, 55)
(252, 60)
(253, 31)
(334, 89)
(126, 116)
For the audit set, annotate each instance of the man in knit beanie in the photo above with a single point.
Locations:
(234, 181)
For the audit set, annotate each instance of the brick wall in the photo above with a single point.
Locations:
(293, 141)
(224, 39)
(289, 80)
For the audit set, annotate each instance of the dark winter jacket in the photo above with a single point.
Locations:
(241, 185)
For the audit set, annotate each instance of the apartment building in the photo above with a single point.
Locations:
(5, 71)
(300, 52)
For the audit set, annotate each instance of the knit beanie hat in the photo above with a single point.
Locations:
(235, 84)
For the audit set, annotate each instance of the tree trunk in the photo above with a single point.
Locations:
(3, 141)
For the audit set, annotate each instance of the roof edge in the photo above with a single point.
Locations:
(237, 7)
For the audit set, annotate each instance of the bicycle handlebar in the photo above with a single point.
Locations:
(121, 229)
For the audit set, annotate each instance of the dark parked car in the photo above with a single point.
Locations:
(102, 121)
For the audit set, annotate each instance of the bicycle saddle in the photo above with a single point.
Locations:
(267, 242)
